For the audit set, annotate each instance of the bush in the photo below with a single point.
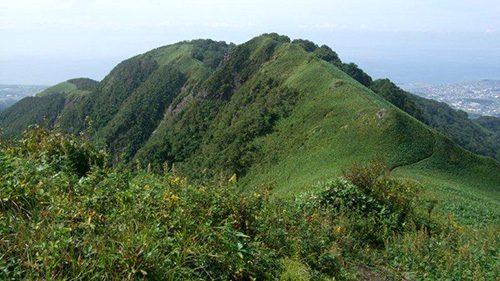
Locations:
(60, 151)
(365, 176)
(57, 223)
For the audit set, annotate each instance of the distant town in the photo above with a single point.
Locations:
(476, 97)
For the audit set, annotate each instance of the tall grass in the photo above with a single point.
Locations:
(61, 221)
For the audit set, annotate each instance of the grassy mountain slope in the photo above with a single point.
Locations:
(459, 127)
(280, 86)
(351, 124)
(253, 128)
(101, 104)
(46, 107)
(30, 111)
(66, 215)
(493, 125)
(6, 103)
(489, 122)
(459, 182)
(272, 112)
(77, 86)
(470, 134)
(335, 122)
(129, 103)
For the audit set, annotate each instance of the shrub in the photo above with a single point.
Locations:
(365, 176)
(294, 270)
(57, 223)
(60, 151)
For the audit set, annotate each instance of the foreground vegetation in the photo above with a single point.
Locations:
(66, 214)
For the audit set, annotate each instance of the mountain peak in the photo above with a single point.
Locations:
(268, 110)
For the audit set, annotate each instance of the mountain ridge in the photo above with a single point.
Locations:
(272, 111)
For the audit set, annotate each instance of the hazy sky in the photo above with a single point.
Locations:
(47, 41)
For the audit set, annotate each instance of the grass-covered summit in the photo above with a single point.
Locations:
(271, 111)
(77, 86)
(223, 162)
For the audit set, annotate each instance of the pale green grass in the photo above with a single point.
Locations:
(66, 88)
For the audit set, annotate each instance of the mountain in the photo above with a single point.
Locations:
(44, 108)
(271, 159)
(77, 86)
(271, 111)
(10, 94)
(5, 103)
(493, 125)
(489, 122)
(478, 136)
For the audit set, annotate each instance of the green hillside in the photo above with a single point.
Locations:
(6, 103)
(29, 111)
(489, 122)
(45, 108)
(477, 136)
(67, 215)
(77, 86)
(492, 124)
(274, 112)
(271, 159)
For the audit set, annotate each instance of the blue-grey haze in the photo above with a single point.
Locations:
(47, 41)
